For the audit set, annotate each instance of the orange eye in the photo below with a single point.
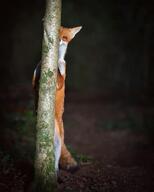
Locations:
(64, 38)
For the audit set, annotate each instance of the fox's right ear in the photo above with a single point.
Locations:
(75, 30)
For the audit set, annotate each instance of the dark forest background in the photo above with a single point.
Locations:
(113, 52)
(109, 106)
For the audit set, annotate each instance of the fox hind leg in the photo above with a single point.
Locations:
(67, 162)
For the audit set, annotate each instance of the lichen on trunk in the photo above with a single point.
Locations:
(45, 173)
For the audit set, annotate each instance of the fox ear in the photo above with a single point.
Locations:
(75, 30)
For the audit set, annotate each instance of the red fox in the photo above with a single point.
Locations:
(63, 157)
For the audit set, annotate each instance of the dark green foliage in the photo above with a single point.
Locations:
(113, 51)
(108, 53)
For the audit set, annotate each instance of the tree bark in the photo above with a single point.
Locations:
(45, 171)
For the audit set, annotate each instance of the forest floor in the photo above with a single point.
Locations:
(112, 139)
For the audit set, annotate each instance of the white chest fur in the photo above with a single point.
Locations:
(62, 52)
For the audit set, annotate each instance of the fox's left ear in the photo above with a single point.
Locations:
(75, 30)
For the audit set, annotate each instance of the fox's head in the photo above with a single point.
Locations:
(67, 34)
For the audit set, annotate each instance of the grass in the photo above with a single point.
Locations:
(10, 177)
(20, 130)
(23, 132)
(130, 120)
(80, 158)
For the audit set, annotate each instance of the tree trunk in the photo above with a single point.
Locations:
(45, 171)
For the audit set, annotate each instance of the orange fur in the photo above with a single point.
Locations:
(66, 160)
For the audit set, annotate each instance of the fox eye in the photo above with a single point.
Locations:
(64, 38)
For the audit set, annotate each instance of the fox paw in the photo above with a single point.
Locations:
(70, 166)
